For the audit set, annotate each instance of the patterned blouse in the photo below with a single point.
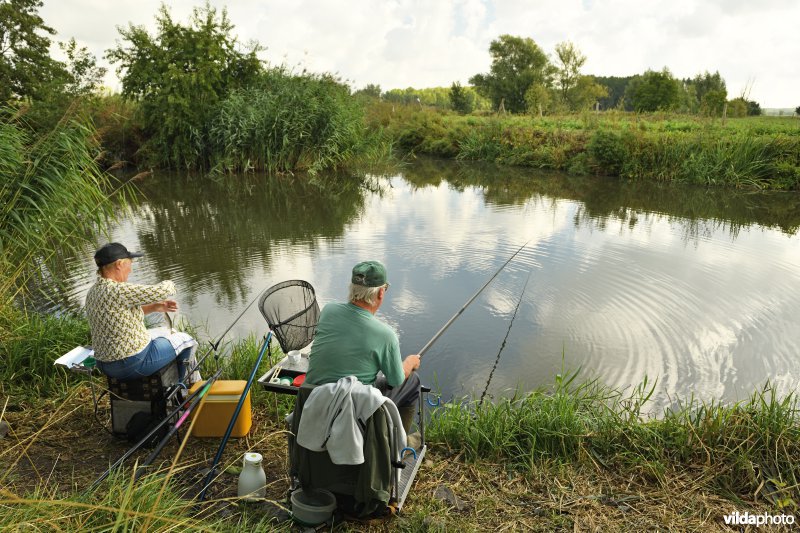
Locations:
(116, 317)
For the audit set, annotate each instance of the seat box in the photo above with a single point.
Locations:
(214, 415)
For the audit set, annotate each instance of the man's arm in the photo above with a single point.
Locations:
(167, 306)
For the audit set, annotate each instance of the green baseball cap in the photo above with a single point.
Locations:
(369, 274)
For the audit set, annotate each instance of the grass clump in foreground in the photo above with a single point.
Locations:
(740, 451)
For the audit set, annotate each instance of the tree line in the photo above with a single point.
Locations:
(524, 79)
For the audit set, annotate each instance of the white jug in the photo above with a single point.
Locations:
(252, 480)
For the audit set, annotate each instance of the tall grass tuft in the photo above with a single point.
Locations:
(51, 190)
(289, 122)
(29, 345)
(748, 448)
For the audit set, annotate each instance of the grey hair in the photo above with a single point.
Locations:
(359, 293)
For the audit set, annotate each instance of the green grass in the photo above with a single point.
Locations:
(29, 344)
(737, 450)
(755, 152)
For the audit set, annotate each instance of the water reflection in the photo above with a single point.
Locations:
(697, 288)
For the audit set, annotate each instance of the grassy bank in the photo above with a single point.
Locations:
(756, 152)
(578, 455)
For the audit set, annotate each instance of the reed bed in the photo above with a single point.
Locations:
(51, 191)
(288, 122)
(753, 153)
(739, 450)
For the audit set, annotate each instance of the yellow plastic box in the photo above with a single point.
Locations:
(215, 414)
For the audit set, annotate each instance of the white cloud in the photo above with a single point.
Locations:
(401, 43)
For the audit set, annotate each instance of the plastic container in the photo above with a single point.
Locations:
(314, 507)
(215, 414)
(294, 356)
(252, 481)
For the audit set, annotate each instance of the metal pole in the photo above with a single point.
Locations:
(224, 442)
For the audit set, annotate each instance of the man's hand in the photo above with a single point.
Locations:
(410, 364)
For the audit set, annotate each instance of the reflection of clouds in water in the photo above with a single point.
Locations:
(406, 302)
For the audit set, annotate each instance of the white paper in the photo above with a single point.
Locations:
(74, 357)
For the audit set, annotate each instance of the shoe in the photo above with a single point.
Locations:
(414, 440)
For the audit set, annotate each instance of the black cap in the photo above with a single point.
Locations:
(111, 252)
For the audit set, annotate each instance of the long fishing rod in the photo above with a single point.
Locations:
(152, 432)
(503, 345)
(458, 313)
(212, 470)
(174, 429)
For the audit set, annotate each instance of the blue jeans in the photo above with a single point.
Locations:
(155, 356)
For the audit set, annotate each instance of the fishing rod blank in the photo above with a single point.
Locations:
(174, 429)
(149, 435)
(228, 431)
(458, 313)
(503, 344)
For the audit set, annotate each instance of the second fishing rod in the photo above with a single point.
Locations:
(467, 304)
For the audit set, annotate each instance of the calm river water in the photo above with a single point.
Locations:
(699, 289)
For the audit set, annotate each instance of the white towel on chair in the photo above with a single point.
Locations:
(335, 414)
(180, 341)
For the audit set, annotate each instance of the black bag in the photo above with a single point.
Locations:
(143, 423)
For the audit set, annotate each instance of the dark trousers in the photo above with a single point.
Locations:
(407, 394)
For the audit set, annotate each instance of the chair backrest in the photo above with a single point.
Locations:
(291, 310)
(360, 489)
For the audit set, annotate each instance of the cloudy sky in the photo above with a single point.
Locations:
(425, 43)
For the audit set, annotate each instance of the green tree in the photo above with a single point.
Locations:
(585, 93)
(370, 91)
(568, 69)
(653, 91)
(25, 62)
(460, 100)
(753, 108)
(538, 99)
(179, 75)
(616, 86)
(737, 107)
(82, 75)
(797, 110)
(713, 102)
(517, 63)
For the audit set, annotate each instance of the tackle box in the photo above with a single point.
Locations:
(214, 415)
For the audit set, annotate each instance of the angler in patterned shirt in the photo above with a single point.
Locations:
(122, 346)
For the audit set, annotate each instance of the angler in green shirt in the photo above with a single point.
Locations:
(350, 341)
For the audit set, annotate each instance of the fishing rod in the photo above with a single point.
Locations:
(174, 429)
(458, 313)
(152, 432)
(212, 470)
(503, 345)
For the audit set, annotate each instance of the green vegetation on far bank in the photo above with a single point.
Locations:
(761, 153)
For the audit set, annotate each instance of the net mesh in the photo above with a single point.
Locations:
(291, 310)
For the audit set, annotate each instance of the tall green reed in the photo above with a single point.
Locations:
(289, 122)
(750, 447)
(51, 191)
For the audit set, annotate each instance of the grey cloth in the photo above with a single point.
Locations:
(405, 395)
(335, 415)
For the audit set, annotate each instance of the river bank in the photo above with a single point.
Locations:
(575, 456)
(754, 152)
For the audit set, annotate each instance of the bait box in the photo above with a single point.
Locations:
(215, 413)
